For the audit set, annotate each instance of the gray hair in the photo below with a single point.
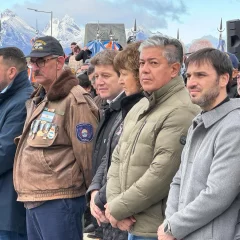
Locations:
(172, 48)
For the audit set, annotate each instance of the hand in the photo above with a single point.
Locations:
(96, 211)
(162, 235)
(102, 218)
(126, 224)
(85, 48)
(111, 219)
(107, 212)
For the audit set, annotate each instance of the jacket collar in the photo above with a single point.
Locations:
(129, 101)
(211, 117)
(58, 90)
(21, 80)
(116, 104)
(165, 92)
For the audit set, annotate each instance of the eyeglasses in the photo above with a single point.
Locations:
(40, 62)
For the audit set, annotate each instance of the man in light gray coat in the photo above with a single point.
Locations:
(204, 199)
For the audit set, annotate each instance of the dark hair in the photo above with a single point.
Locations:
(105, 57)
(14, 57)
(77, 48)
(128, 59)
(218, 59)
(73, 43)
(84, 80)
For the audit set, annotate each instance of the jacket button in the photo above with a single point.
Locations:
(183, 140)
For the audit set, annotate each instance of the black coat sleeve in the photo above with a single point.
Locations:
(83, 55)
(80, 56)
(97, 179)
(100, 198)
(11, 128)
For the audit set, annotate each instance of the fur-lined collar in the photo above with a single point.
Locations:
(60, 88)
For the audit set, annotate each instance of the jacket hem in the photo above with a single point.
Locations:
(49, 195)
(144, 234)
(19, 229)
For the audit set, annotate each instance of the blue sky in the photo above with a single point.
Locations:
(194, 18)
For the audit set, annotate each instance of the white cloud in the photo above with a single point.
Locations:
(149, 13)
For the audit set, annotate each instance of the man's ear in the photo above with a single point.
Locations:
(60, 62)
(235, 73)
(175, 69)
(12, 73)
(224, 79)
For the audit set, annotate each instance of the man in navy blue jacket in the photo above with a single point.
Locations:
(15, 89)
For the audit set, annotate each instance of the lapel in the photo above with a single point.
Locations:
(101, 123)
(115, 106)
(35, 113)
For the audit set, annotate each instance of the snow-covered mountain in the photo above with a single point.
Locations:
(142, 32)
(15, 31)
(208, 40)
(66, 31)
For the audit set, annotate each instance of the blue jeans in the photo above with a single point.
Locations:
(56, 219)
(7, 235)
(134, 237)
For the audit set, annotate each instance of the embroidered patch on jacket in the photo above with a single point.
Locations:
(84, 132)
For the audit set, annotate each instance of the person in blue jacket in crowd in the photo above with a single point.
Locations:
(15, 89)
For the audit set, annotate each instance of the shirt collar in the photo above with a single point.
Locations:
(4, 90)
(111, 101)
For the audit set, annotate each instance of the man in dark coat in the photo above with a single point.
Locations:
(232, 88)
(127, 64)
(15, 89)
(110, 90)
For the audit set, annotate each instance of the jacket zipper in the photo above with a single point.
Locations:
(137, 136)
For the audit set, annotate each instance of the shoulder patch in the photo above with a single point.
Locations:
(84, 132)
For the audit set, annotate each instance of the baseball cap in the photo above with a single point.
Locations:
(233, 59)
(45, 46)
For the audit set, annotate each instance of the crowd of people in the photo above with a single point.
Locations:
(137, 144)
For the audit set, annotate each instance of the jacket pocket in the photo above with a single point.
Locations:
(41, 142)
(44, 162)
(40, 146)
